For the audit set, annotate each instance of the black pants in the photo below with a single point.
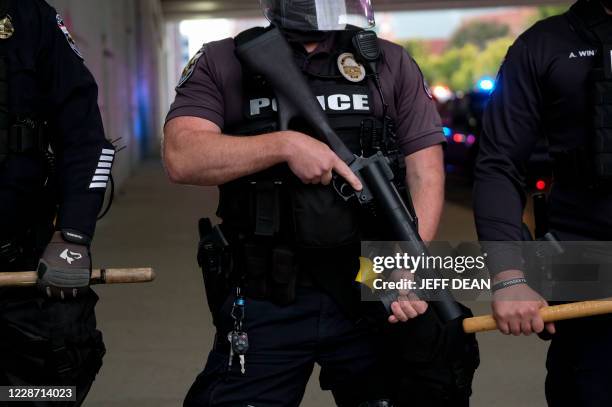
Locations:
(579, 364)
(579, 361)
(47, 342)
(285, 343)
(430, 363)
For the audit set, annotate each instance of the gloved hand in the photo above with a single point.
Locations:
(64, 269)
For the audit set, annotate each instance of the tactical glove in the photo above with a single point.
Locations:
(64, 270)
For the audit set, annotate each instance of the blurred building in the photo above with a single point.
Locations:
(176, 54)
(123, 45)
(436, 46)
(385, 26)
(517, 19)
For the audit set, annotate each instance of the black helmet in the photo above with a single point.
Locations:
(319, 15)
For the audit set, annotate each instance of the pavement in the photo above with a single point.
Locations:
(158, 335)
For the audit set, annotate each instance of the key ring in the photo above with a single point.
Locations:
(237, 312)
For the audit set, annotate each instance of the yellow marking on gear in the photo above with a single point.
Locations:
(366, 273)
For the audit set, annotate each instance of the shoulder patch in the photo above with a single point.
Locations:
(191, 66)
(64, 29)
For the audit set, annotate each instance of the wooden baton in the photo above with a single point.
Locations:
(549, 314)
(102, 276)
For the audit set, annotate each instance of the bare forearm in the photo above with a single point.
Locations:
(425, 179)
(225, 158)
(428, 203)
(206, 158)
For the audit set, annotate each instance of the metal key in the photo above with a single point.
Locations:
(231, 355)
(242, 364)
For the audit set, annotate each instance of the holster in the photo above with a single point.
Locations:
(215, 260)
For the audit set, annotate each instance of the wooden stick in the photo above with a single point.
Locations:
(103, 276)
(549, 314)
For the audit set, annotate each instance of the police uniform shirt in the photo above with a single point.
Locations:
(213, 90)
(48, 81)
(542, 91)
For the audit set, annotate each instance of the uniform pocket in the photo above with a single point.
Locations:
(321, 218)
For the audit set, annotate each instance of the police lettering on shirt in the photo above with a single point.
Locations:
(336, 100)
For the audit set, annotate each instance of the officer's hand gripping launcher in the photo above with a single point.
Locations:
(269, 55)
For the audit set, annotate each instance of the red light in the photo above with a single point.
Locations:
(541, 185)
(459, 138)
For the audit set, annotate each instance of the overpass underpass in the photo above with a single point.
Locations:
(184, 9)
(157, 335)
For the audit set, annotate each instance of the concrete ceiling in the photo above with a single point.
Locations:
(184, 9)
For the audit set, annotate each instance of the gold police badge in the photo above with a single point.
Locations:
(350, 68)
(6, 28)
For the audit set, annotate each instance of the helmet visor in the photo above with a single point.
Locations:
(319, 15)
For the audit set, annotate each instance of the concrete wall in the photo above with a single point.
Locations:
(122, 42)
(176, 53)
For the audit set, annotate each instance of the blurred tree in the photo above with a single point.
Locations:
(478, 33)
(475, 51)
(460, 68)
(491, 58)
(457, 66)
(416, 48)
(423, 56)
(549, 11)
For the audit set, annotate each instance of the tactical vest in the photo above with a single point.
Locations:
(594, 159)
(17, 134)
(274, 205)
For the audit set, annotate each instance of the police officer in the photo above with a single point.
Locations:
(288, 242)
(54, 169)
(553, 85)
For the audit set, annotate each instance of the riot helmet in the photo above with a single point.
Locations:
(319, 15)
(607, 4)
